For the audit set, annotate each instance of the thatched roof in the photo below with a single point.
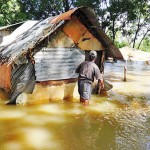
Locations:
(29, 39)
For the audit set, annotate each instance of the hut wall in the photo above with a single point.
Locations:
(59, 59)
(55, 66)
(46, 93)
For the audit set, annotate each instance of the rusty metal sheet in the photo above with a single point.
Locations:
(74, 29)
(63, 16)
(81, 36)
(57, 63)
(5, 77)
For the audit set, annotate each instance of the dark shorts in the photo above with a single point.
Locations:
(84, 89)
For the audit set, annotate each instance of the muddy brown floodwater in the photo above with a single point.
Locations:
(119, 120)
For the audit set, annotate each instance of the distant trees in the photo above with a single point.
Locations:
(40, 9)
(10, 12)
(139, 18)
(128, 19)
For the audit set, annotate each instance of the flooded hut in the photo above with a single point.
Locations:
(39, 65)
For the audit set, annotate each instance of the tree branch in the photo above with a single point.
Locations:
(143, 38)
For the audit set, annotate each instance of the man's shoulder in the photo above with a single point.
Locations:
(84, 62)
(90, 63)
(94, 65)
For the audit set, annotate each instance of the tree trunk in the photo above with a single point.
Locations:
(135, 36)
(138, 28)
(143, 38)
(113, 30)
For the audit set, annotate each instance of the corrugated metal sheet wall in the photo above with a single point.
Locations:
(22, 80)
(57, 63)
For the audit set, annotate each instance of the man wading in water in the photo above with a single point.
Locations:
(87, 71)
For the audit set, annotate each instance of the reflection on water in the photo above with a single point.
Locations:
(137, 78)
(118, 121)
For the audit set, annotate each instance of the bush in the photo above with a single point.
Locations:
(121, 44)
(145, 46)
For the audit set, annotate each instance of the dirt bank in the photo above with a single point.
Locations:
(134, 54)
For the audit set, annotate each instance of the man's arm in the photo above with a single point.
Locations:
(101, 83)
(99, 77)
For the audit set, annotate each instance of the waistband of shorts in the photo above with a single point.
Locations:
(85, 80)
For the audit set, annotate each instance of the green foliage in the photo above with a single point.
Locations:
(10, 12)
(127, 17)
(121, 44)
(89, 3)
(41, 9)
(145, 46)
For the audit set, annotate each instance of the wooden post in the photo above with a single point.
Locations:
(125, 71)
(102, 62)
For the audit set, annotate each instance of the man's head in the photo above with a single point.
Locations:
(92, 55)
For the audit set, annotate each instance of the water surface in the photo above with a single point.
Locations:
(119, 120)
